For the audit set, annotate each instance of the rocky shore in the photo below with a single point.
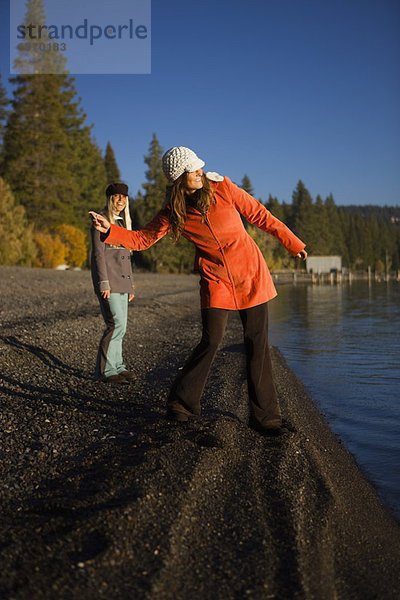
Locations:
(101, 497)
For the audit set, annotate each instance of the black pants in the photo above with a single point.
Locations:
(188, 387)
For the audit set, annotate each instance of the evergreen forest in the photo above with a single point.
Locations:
(52, 171)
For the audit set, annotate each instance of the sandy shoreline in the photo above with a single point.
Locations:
(102, 498)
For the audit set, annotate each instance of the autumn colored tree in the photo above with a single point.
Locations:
(16, 240)
(75, 242)
(51, 251)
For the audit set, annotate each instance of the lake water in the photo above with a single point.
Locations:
(343, 342)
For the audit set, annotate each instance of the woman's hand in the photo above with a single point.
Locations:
(302, 255)
(99, 222)
(131, 297)
(105, 294)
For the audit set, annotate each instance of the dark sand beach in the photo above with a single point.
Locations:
(101, 497)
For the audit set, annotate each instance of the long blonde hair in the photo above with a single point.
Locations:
(109, 213)
(176, 198)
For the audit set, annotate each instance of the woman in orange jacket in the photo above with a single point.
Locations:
(206, 209)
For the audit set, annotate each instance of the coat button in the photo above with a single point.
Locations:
(122, 256)
(123, 276)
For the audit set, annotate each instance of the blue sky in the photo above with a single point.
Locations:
(281, 90)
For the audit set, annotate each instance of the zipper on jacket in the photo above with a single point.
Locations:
(206, 220)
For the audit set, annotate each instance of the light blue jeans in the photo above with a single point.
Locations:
(115, 315)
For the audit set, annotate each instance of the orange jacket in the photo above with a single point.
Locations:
(233, 272)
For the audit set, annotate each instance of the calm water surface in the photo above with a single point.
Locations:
(343, 342)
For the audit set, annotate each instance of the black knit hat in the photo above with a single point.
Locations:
(116, 188)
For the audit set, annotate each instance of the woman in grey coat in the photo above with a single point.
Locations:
(112, 281)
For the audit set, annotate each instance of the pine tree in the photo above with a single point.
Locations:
(335, 243)
(395, 230)
(50, 161)
(164, 255)
(286, 212)
(155, 185)
(355, 233)
(4, 102)
(372, 244)
(112, 170)
(281, 258)
(146, 207)
(90, 175)
(275, 208)
(344, 224)
(322, 240)
(246, 185)
(36, 159)
(301, 200)
(303, 220)
(34, 55)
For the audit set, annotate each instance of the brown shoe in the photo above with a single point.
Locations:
(272, 430)
(114, 379)
(128, 375)
(179, 417)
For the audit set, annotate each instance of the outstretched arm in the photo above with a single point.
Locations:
(257, 214)
(133, 240)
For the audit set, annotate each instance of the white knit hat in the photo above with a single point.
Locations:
(179, 160)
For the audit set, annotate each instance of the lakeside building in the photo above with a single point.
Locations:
(323, 264)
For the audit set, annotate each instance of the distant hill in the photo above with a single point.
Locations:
(385, 213)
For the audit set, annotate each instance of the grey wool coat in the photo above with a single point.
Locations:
(111, 266)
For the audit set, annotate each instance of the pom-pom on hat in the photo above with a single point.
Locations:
(116, 188)
(179, 160)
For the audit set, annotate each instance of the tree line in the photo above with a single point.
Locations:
(52, 170)
(363, 236)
